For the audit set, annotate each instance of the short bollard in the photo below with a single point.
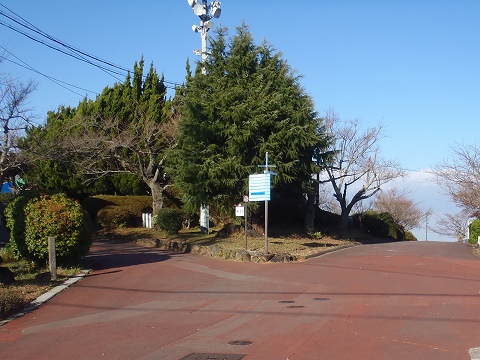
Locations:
(52, 258)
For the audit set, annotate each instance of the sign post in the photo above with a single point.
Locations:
(245, 200)
(259, 189)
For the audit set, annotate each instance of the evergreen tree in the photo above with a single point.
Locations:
(125, 131)
(247, 101)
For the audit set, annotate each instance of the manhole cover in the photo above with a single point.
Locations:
(295, 306)
(321, 299)
(286, 301)
(239, 342)
(202, 356)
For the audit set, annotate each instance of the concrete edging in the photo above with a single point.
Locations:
(241, 255)
(47, 296)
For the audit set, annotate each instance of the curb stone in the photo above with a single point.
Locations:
(47, 296)
(241, 255)
(337, 248)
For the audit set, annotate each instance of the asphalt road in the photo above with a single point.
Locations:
(409, 300)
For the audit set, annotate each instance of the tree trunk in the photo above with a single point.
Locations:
(157, 196)
(344, 219)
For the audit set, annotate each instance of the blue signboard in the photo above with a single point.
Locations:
(259, 187)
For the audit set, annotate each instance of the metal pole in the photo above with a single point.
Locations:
(246, 226)
(266, 227)
(203, 34)
(426, 228)
(266, 208)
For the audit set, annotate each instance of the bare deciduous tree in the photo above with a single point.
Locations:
(15, 117)
(459, 177)
(355, 164)
(454, 225)
(404, 211)
(111, 146)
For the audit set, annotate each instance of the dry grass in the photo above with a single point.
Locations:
(30, 283)
(300, 245)
(476, 250)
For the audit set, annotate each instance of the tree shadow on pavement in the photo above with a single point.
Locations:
(106, 254)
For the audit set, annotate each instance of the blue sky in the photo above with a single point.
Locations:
(413, 65)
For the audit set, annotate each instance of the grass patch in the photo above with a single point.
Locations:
(280, 242)
(30, 283)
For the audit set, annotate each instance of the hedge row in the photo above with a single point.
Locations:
(110, 211)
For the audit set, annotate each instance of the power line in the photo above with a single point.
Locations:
(74, 55)
(58, 45)
(56, 81)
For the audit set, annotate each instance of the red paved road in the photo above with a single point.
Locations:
(410, 300)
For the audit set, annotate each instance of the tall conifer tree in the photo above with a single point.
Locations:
(247, 101)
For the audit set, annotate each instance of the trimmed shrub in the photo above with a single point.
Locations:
(326, 219)
(15, 221)
(474, 231)
(5, 199)
(169, 220)
(59, 216)
(111, 211)
(409, 236)
(114, 217)
(381, 225)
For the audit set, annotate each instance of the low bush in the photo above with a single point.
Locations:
(474, 231)
(326, 219)
(380, 225)
(61, 217)
(169, 220)
(6, 254)
(15, 221)
(115, 217)
(111, 211)
(409, 236)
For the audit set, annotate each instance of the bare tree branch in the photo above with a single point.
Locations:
(15, 117)
(454, 225)
(404, 211)
(459, 177)
(356, 164)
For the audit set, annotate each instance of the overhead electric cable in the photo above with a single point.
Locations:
(104, 65)
(56, 81)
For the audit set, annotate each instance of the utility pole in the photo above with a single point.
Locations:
(205, 12)
(426, 227)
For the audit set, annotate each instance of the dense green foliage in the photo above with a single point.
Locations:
(169, 220)
(15, 221)
(247, 103)
(111, 212)
(380, 225)
(115, 144)
(474, 231)
(114, 217)
(55, 176)
(61, 217)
